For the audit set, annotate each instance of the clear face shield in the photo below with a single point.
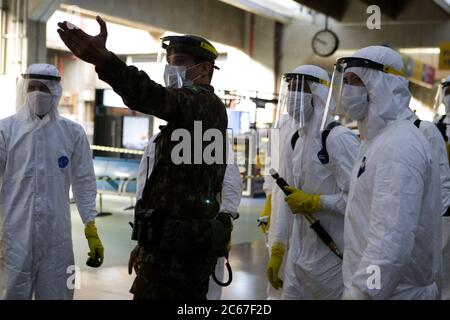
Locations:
(348, 98)
(39, 93)
(442, 99)
(296, 100)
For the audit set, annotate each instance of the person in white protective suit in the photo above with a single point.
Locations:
(41, 156)
(393, 218)
(435, 138)
(231, 199)
(322, 176)
(275, 196)
(443, 97)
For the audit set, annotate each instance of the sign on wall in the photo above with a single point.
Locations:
(444, 56)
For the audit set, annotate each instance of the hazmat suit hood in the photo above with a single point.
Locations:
(284, 120)
(389, 96)
(310, 141)
(408, 114)
(49, 76)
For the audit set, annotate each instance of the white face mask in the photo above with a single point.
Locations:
(446, 102)
(40, 102)
(355, 101)
(175, 76)
(294, 106)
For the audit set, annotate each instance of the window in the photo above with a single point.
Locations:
(2, 41)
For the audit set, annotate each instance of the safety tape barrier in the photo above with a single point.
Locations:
(139, 152)
(117, 150)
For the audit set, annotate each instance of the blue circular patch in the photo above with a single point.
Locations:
(63, 162)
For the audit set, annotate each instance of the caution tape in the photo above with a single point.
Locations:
(117, 150)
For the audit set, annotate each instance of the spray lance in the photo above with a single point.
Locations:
(315, 224)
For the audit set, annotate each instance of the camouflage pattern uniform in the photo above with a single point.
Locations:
(182, 233)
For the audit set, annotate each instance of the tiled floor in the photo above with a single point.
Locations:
(248, 261)
(248, 255)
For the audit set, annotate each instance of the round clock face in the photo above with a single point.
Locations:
(325, 43)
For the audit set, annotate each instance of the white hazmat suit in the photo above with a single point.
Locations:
(434, 137)
(313, 271)
(39, 161)
(446, 221)
(277, 225)
(394, 208)
(445, 99)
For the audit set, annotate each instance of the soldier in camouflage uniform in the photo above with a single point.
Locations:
(178, 226)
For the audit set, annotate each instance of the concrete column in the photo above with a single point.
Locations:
(36, 42)
(24, 43)
(39, 11)
(12, 53)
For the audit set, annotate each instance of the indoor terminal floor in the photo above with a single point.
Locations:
(248, 256)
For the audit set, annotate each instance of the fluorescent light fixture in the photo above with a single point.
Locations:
(345, 52)
(283, 11)
(420, 50)
(444, 4)
(425, 50)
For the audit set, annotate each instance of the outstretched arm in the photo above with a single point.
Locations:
(138, 91)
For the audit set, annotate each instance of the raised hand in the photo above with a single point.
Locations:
(91, 49)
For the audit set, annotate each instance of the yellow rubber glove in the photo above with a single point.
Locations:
(266, 212)
(273, 267)
(95, 245)
(300, 202)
